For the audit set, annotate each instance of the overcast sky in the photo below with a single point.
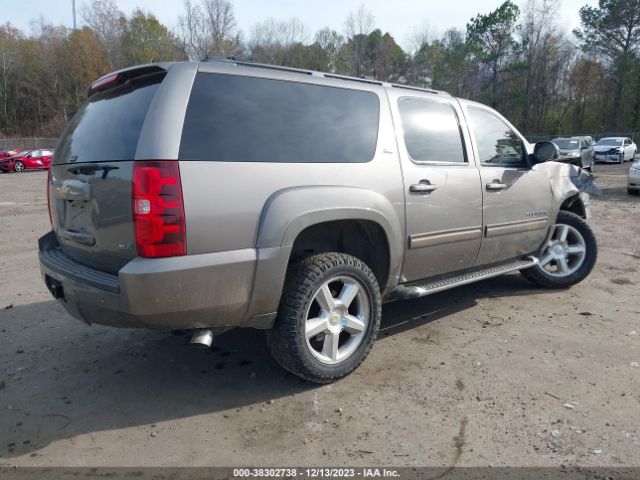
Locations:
(399, 17)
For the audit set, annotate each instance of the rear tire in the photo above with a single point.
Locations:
(18, 167)
(568, 257)
(328, 318)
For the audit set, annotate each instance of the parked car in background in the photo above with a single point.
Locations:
(27, 160)
(8, 152)
(577, 151)
(614, 149)
(633, 181)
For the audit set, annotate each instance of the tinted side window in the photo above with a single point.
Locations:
(431, 131)
(245, 119)
(497, 144)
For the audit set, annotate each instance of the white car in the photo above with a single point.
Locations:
(614, 149)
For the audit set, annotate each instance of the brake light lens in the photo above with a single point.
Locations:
(158, 209)
(104, 83)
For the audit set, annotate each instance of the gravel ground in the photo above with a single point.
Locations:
(496, 373)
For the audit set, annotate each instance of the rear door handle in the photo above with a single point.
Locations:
(423, 187)
(496, 186)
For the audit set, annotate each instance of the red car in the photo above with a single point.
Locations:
(8, 152)
(27, 160)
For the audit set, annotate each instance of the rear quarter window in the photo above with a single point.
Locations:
(246, 119)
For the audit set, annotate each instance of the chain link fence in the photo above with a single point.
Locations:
(28, 143)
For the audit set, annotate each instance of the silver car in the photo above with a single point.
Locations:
(576, 151)
(208, 196)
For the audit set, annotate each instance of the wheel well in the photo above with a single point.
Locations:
(574, 205)
(363, 239)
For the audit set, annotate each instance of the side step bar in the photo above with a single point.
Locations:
(405, 292)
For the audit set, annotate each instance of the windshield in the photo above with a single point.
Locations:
(22, 154)
(567, 143)
(610, 142)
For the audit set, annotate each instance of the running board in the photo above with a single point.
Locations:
(405, 292)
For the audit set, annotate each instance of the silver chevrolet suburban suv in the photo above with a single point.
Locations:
(207, 196)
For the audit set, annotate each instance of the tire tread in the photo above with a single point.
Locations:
(286, 340)
(537, 276)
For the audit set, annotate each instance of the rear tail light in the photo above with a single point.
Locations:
(48, 194)
(158, 209)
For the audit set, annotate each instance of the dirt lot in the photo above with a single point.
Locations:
(497, 373)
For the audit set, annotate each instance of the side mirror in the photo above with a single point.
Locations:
(545, 152)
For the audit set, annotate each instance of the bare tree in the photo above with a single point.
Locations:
(223, 25)
(273, 41)
(358, 26)
(208, 29)
(330, 44)
(540, 37)
(9, 64)
(108, 23)
(421, 35)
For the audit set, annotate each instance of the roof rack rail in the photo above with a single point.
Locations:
(370, 81)
(251, 63)
(419, 89)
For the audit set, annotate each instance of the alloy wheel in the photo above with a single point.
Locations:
(337, 319)
(565, 253)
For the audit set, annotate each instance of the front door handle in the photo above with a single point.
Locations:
(496, 186)
(423, 187)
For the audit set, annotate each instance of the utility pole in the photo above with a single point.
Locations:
(73, 8)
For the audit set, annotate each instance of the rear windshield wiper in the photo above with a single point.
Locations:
(92, 168)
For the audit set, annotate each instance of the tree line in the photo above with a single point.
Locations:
(520, 59)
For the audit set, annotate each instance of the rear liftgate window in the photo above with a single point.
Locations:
(107, 127)
(245, 119)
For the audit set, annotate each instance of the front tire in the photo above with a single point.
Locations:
(568, 257)
(328, 318)
(18, 167)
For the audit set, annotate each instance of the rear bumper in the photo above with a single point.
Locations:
(194, 291)
(633, 182)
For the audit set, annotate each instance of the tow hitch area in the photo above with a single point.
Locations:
(55, 287)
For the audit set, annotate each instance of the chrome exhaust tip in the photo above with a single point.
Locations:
(202, 338)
